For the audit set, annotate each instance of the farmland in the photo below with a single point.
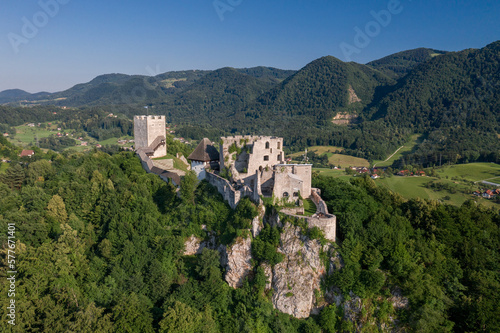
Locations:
(450, 184)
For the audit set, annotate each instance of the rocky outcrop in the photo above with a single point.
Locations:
(194, 245)
(236, 258)
(296, 278)
(257, 223)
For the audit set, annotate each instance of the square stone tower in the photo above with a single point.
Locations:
(146, 130)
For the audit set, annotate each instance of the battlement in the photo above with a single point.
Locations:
(144, 117)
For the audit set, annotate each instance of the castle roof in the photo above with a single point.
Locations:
(205, 152)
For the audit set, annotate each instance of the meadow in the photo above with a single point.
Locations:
(452, 184)
(407, 148)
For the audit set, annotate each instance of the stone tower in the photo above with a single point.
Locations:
(146, 130)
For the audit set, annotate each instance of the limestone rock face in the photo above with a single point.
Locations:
(192, 246)
(295, 279)
(195, 245)
(237, 261)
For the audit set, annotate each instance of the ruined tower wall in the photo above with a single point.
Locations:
(304, 172)
(147, 129)
(265, 151)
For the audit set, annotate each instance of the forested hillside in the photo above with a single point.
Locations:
(399, 64)
(455, 100)
(100, 242)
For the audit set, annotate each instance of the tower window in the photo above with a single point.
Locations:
(279, 145)
(267, 145)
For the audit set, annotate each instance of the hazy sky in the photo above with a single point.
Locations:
(50, 45)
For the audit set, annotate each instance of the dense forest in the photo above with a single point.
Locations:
(100, 249)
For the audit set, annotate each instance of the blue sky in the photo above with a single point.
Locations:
(82, 39)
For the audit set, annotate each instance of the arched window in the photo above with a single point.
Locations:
(285, 195)
(279, 145)
(266, 158)
(267, 145)
(296, 194)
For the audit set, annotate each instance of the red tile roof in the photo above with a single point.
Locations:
(27, 153)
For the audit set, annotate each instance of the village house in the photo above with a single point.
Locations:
(27, 153)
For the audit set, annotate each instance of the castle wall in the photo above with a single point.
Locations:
(304, 172)
(327, 224)
(321, 207)
(286, 185)
(265, 151)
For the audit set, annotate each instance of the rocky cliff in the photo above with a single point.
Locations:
(296, 281)
(298, 276)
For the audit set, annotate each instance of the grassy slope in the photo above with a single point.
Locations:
(347, 161)
(472, 171)
(334, 157)
(178, 164)
(414, 187)
(26, 135)
(407, 148)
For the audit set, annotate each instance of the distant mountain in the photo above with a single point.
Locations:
(15, 95)
(321, 89)
(452, 98)
(121, 89)
(399, 64)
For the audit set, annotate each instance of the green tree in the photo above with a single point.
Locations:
(188, 187)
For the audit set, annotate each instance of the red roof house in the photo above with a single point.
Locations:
(27, 153)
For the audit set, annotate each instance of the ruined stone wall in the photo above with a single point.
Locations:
(304, 172)
(224, 188)
(147, 163)
(321, 207)
(287, 185)
(327, 224)
(265, 151)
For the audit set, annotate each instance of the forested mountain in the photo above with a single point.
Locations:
(399, 64)
(449, 97)
(454, 98)
(113, 89)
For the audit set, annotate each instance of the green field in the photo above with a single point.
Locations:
(334, 156)
(332, 173)
(407, 148)
(320, 150)
(472, 171)
(26, 136)
(347, 161)
(457, 178)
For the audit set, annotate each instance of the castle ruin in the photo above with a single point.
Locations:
(255, 167)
